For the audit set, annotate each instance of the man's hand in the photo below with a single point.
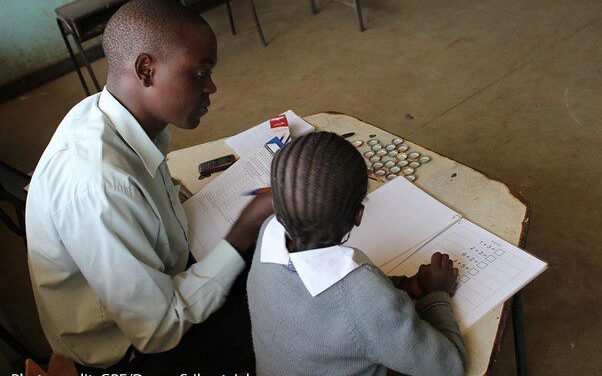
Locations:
(243, 233)
(439, 275)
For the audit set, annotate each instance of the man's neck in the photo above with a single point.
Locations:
(131, 98)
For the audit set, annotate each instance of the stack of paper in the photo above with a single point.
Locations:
(280, 126)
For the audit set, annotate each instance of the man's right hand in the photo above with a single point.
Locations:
(439, 275)
(243, 233)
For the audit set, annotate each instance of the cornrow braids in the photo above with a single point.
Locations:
(318, 183)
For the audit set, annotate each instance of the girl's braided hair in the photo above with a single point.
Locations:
(318, 183)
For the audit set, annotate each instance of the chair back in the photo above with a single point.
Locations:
(12, 191)
(59, 366)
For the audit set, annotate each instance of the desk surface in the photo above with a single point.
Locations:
(478, 198)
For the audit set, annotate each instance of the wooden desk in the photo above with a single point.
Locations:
(478, 198)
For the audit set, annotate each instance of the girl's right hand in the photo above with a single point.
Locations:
(439, 275)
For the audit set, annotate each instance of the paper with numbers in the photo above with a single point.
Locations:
(491, 270)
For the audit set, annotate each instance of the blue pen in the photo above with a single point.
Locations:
(257, 191)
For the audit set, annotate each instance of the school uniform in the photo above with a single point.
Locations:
(329, 311)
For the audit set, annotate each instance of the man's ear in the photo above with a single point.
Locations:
(358, 215)
(145, 69)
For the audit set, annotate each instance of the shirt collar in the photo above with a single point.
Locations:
(131, 131)
(318, 269)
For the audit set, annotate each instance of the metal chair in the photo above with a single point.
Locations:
(12, 191)
(84, 20)
(199, 6)
(356, 4)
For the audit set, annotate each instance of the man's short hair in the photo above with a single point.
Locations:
(144, 26)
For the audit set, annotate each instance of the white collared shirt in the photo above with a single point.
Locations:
(107, 239)
(319, 268)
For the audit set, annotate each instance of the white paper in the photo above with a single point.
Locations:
(398, 217)
(253, 138)
(491, 270)
(212, 211)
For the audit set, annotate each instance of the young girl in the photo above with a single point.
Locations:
(321, 308)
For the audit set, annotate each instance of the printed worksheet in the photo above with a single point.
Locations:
(213, 210)
(491, 270)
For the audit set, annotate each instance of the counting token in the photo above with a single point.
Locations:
(389, 164)
(394, 169)
(424, 159)
(377, 147)
(377, 165)
(374, 158)
(414, 164)
(372, 142)
(391, 176)
(402, 156)
(411, 177)
(381, 152)
(390, 147)
(397, 140)
(368, 154)
(403, 148)
(414, 155)
(393, 154)
(357, 143)
(407, 171)
(380, 173)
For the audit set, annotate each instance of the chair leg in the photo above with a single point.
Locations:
(14, 344)
(519, 335)
(257, 25)
(230, 17)
(358, 11)
(86, 62)
(314, 7)
(72, 56)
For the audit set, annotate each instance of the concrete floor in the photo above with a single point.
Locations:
(512, 88)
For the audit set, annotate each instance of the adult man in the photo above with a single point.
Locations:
(107, 234)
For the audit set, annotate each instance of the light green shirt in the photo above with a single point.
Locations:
(107, 239)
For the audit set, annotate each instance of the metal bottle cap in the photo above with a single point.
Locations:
(374, 158)
(403, 148)
(381, 152)
(424, 159)
(377, 165)
(390, 147)
(397, 140)
(394, 169)
(372, 142)
(414, 164)
(368, 154)
(377, 147)
(407, 171)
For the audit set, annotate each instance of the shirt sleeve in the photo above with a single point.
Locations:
(111, 234)
(395, 335)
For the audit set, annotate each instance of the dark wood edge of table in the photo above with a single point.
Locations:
(497, 344)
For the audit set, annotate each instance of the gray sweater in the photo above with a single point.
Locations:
(361, 325)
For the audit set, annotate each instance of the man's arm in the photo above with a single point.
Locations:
(113, 245)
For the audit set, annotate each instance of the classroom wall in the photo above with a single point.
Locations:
(29, 37)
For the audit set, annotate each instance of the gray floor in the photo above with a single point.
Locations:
(511, 88)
